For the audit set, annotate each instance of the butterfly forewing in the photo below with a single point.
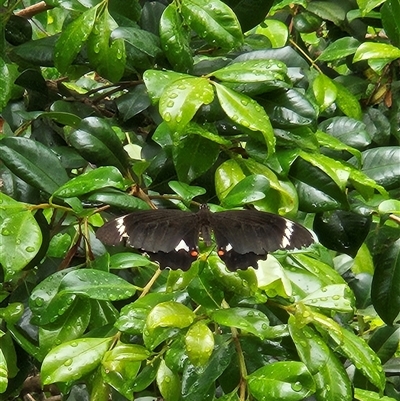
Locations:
(171, 237)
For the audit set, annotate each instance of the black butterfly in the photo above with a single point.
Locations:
(170, 237)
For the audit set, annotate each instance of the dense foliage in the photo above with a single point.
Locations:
(110, 106)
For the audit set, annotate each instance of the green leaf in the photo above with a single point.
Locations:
(74, 359)
(170, 314)
(381, 164)
(247, 112)
(289, 381)
(72, 326)
(8, 74)
(197, 383)
(140, 39)
(252, 71)
(185, 191)
(328, 10)
(33, 162)
(247, 319)
(90, 181)
(391, 24)
(250, 189)
(365, 395)
(72, 38)
(113, 197)
(203, 154)
(199, 342)
(127, 260)
(98, 143)
(132, 103)
(181, 99)
(276, 31)
(329, 374)
(157, 81)
(107, 56)
(96, 284)
(339, 49)
(20, 236)
(168, 382)
(214, 21)
(333, 143)
(3, 373)
(174, 37)
(355, 348)
(385, 292)
(347, 102)
(332, 297)
(371, 50)
(325, 91)
(121, 365)
(348, 130)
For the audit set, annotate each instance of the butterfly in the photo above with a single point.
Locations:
(170, 237)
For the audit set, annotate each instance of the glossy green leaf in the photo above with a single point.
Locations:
(247, 112)
(127, 260)
(365, 395)
(199, 342)
(328, 10)
(157, 81)
(185, 191)
(72, 38)
(20, 236)
(325, 91)
(371, 50)
(33, 162)
(168, 382)
(170, 314)
(381, 164)
(250, 189)
(289, 381)
(214, 21)
(72, 326)
(318, 189)
(8, 74)
(385, 341)
(246, 319)
(133, 102)
(342, 231)
(44, 303)
(332, 297)
(203, 154)
(385, 292)
(119, 199)
(174, 37)
(347, 102)
(329, 374)
(333, 143)
(107, 56)
(181, 99)
(73, 359)
(90, 181)
(97, 142)
(389, 12)
(355, 348)
(276, 31)
(141, 39)
(290, 108)
(252, 71)
(196, 383)
(339, 49)
(3, 373)
(96, 284)
(121, 365)
(350, 131)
